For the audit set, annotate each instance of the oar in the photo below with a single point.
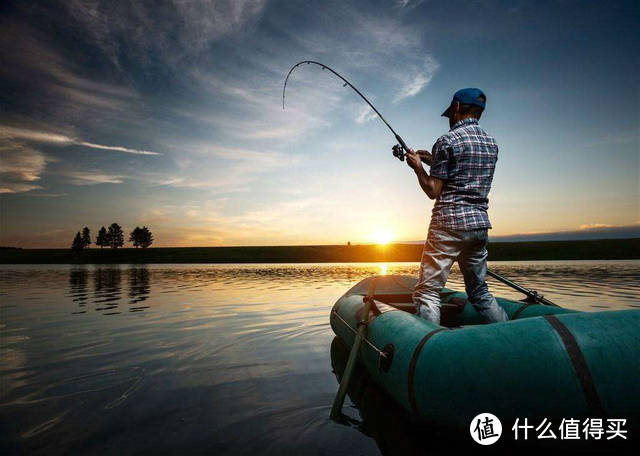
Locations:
(532, 295)
(336, 410)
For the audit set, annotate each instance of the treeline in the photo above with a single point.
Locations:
(112, 237)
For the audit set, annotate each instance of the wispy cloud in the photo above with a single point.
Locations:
(117, 148)
(590, 226)
(174, 30)
(226, 169)
(7, 132)
(417, 78)
(365, 115)
(89, 178)
(408, 4)
(20, 167)
(48, 195)
(56, 85)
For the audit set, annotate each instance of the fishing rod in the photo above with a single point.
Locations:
(532, 295)
(399, 151)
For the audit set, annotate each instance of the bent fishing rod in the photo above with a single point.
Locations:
(399, 151)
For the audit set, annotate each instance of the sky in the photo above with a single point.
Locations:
(169, 114)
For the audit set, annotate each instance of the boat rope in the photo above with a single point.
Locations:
(347, 83)
(366, 341)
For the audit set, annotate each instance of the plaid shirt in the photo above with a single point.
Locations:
(465, 158)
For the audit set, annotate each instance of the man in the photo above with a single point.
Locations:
(462, 164)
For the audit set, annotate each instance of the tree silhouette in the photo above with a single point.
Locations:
(77, 244)
(146, 237)
(101, 240)
(86, 237)
(141, 237)
(115, 236)
(134, 237)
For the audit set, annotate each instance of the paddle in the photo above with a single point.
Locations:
(336, 409)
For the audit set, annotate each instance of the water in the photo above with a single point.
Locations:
(213, 358)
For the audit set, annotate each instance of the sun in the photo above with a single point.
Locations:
(382, 237)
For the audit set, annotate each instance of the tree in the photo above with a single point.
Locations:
(77, 244)
(141, 237)
(101, 240)
(146, 237)
(134, 237)
(115, 236)
(86, 237)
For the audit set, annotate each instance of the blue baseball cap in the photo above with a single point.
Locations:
(468, 96)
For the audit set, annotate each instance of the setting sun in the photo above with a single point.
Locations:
(381, 237)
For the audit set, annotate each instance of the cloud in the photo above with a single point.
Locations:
(176, 30)
(254, 111)
(88, 178)
(261, 159)
(51, 82)
(205, 224)
(365, 115)
(48, 195)
(226, 169)
(20, 167)
(16, 187)
(590, 226)
(408, 4)
(117, 148)
(7, 132)
(417, 79)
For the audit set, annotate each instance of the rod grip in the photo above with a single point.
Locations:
(402, 143)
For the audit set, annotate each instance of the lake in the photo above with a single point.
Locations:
(226, 359)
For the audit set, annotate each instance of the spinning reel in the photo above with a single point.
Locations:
(398, 152)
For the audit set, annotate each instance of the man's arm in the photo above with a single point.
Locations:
(432, 186)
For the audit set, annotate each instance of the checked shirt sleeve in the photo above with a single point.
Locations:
(440, 162)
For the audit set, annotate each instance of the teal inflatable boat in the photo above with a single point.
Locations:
(545, 362)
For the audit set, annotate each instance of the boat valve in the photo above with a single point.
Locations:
(385, 357)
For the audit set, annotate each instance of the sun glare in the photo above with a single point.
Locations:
(381, 237)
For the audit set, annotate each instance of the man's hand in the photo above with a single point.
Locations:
(426, 156)
(414, 161)
(432, 186)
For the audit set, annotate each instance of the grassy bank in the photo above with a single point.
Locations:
(608, 249)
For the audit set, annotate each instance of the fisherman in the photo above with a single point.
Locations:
(462, 163)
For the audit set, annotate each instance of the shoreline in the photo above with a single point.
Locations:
(602, 249)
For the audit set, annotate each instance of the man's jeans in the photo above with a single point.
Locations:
(442, 248)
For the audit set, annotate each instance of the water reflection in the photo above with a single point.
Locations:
(139, 288)
(580, 285)
(78, 280)
(107, 289)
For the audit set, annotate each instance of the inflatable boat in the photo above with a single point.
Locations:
(545, 362)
